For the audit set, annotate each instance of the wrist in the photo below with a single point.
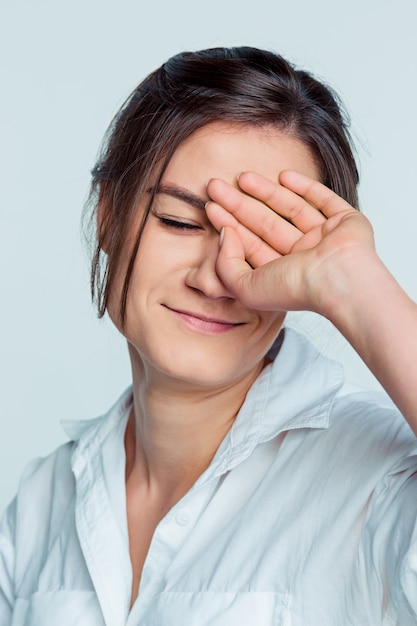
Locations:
(354, 283)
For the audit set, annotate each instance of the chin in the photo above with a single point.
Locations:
(209, 373)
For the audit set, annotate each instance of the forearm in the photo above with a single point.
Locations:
(323, 261)
(380, 321)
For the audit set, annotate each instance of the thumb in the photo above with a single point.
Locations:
(275, 286)
(236, 273)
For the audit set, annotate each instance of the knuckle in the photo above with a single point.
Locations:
(266, 226)
(254, 248)
(295, 211)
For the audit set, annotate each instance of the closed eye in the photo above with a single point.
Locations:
(167, 221)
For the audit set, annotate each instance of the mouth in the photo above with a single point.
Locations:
(203, 323)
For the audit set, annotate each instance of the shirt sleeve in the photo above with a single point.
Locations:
(391, 540)
(7, 560)
(409, 574)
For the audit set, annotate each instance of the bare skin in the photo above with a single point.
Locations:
(201, 317)
(175, 449)
(330, 266)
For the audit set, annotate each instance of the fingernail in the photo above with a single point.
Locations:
(221, 237)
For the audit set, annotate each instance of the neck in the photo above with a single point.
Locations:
(175, 429)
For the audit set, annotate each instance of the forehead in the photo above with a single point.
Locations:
(221, 150)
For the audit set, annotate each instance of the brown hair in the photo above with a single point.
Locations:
(244, 85)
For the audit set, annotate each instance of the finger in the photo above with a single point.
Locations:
(265, 288)
(234, 271)
(257, 252)
(326, 200)
(255, 216)
(283, 201)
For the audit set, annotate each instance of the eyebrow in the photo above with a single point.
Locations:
(184, 195)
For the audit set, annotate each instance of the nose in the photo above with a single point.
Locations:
(202, 275)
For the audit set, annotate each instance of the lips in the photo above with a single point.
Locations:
(202, 323)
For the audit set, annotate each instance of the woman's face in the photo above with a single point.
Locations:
(182, 323)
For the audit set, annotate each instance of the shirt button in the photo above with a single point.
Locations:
(182, 518)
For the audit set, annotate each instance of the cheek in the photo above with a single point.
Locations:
(163, 251)
(117, 287)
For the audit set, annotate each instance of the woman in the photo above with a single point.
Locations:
(240, 480)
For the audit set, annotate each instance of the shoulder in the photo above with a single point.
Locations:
(43, 476)
(367, 442)
(47, 485)
(352, 427)
(372, 418)
(33, 519)
(44, 496)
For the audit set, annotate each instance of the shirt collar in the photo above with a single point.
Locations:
(296, 390)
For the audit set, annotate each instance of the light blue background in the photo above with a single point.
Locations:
(65, 69)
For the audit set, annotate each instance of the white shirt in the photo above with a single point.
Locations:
(306, 516)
